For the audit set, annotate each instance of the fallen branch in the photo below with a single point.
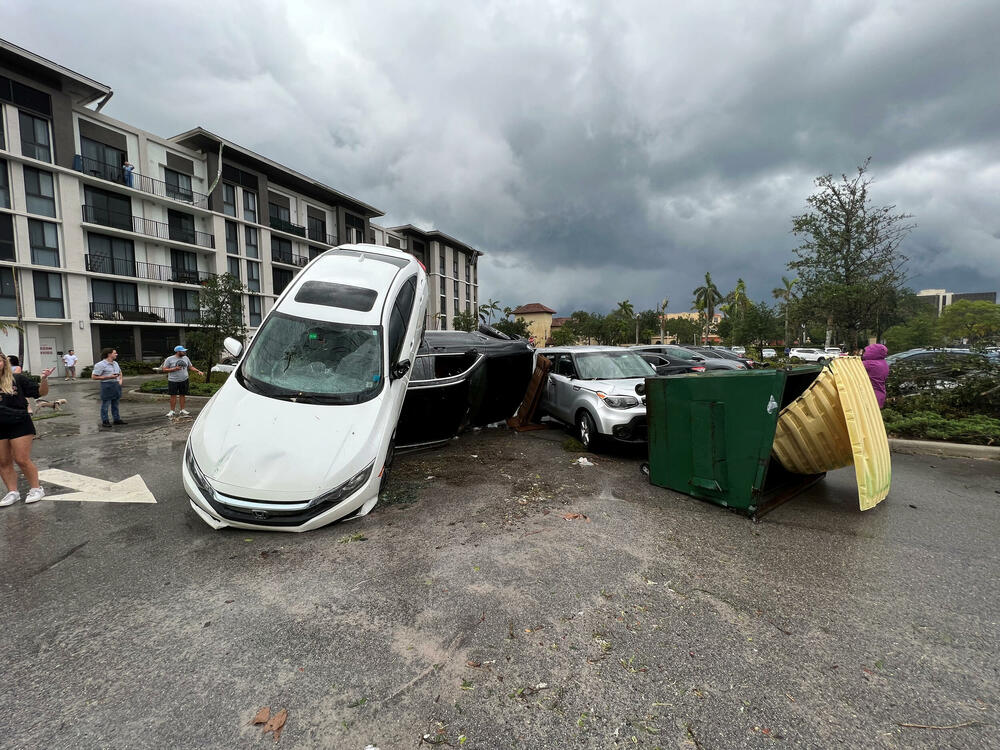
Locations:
(933, 726)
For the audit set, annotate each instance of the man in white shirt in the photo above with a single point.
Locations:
(69, 360)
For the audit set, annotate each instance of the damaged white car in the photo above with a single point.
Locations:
(301, 434)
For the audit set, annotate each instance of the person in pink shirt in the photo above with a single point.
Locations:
(878, 369)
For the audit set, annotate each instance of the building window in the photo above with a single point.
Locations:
(44, 240)
(250, 205)
(443, 312)
(35, 142)
(317, 229)
(281, 250)
(4, 184)
(251, 242)
(40, 191)
(254, 307)
(228, 199)
(114, 296)
(106, 208)
(101, 160)
(48, 294)
(355, 227)
(253, 276)
(234, 268)
(3, 142)
(183, 266)
(110, 255)
(315, 252)
(455, 289)
(281, 277)
(454, 263)
(441, 263)
(186, 308)
(468, 272)
(7, 237)
(232, 238)
(178, 185)
(180, 227)
(8, 300)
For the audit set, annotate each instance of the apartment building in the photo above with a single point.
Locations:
(108, 231)
(939, 299)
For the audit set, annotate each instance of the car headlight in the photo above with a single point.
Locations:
(618, 402)
(349, 487)
(196, 473)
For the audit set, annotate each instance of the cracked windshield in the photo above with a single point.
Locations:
(315, 358)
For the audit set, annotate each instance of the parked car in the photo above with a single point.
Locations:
(665, 365)
(834, 351)
(599, 390)
(302, 433)
(768, 353)
(738, 350)
(809, 355)
(680, 352)
(714, 353)
(228, 364)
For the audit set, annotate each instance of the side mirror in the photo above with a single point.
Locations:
(399, 369)
(233, 346)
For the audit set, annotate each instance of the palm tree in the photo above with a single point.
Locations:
(706, 297)
(663, 311)
(738, 299)
(488, 310)
(786, 295)
(625, 309)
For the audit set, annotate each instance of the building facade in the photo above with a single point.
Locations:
(939, 299)
(107, 232)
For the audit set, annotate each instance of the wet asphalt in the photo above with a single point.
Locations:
(502, 596)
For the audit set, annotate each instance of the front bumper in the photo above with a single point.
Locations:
(636, 430)
(221, 510)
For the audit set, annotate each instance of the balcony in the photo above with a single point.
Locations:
(290, 258)
(286, 226)
(148, 227)
(326, 239)
(118, 313)
(159, 188)
(141, 270)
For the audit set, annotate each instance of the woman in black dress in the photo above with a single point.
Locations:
(17, 431)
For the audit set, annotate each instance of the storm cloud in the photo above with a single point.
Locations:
(594, 151)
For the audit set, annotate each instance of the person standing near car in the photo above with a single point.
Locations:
(109, 373)
(17, 431)
(873, 359)
(178, 380)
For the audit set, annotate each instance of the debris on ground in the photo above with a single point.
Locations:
(584, 461)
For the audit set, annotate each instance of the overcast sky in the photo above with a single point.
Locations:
(594, 151)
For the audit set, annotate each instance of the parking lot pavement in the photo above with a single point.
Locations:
(505, 595)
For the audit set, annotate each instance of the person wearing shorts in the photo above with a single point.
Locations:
(178, 380)
(17, 431)
(69, 362)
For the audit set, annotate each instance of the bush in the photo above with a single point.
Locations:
(928, 425)
(198, 386)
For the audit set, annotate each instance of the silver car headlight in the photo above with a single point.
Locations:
(196, 473)
(618, 402)
(349, 487)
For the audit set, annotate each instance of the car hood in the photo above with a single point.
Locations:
(625, 386)
(255, 447)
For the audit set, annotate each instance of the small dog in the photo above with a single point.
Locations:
(56, 405)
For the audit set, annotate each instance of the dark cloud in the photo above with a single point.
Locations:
(595, 152)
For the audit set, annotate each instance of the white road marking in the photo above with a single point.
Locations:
(91, 489)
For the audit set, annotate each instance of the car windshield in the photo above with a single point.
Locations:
(316, 361)
(612, 365)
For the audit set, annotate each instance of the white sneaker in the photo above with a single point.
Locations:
(184, 413)
(171, 413)
(10, 498)
(34, 495)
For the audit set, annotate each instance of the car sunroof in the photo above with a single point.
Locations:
(331, 294)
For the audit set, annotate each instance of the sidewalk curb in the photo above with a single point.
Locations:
(950, 450)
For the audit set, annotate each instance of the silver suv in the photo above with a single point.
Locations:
(599, 389)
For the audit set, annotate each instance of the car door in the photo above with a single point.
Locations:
(560, 386)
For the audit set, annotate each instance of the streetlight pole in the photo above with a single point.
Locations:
(637, 328)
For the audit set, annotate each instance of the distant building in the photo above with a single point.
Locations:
(539, 320)
(939, 299)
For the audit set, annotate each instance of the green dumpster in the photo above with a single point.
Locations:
(710, 435)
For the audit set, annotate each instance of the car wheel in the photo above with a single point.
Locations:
(587, 430)
(821, 360)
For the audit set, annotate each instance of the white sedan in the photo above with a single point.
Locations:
(810, 355)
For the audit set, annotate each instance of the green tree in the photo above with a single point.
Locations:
(565, 335)
(737, 300)
(706, 297)
(919, 331)
(488, 310)
(518, 327)
(977, 323)
(220, 316)
(684, 330)
(785, 295)
(849, 262)
(757, 327)
(464, 321)
(649, 324)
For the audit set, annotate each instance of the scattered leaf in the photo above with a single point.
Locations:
(276, 722)
(575, 516)
(262, 716)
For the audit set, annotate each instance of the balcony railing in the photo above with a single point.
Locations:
(148, 227)
(323, 237)
(140, 270)
(133, 179)
(286, 226)
(290, 258)
(112, 311)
